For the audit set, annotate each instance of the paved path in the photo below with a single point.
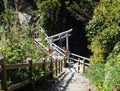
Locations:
(71, 81)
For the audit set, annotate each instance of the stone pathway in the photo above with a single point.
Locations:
(71, 81)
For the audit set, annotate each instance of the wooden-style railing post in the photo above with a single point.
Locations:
(56, 70)
(65, 61)
(78, 65)
(44, 64)
(51, 67)
(117, 88)
(29, 60)
(59, 65)
(4, 85)
(83, 65)
(68, 56)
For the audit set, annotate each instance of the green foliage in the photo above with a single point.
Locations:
(81, 10)
(103, 31)
(13, 52)
(96, 74)
(7, 19)
(112, 69)
(17, 75)
(38, 73)
(49, 10)
(16, 44)
(106, 76)
(67, 3)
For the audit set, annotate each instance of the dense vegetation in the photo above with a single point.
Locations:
(16, 44)
(103, 32)
(100, 18)
(61, 15)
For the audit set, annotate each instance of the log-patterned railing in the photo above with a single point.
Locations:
(55, 68)
(80, 60)
(70, 56)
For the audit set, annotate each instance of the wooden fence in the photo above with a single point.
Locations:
(80, 60)
(55, 68)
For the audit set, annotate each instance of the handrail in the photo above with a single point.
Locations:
(18, 85)
(41, 29)
(5, 67)
(43, 47)
(58, 49)
(80, 59)
(79, 56)
(16, 66)
(23, 65)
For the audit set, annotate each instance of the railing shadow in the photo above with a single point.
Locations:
(61, 85)
(72, 68)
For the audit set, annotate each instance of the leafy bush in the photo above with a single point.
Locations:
(16, 44)
(49, 11)
(38, 73)
(103, 30)
(103, 33)
(96, 74)
(17, 75)
(81, 10)
(112, 69)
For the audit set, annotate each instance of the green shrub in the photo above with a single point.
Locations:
(106, 75)
(16, 44)
(96, 74)
(112, 69)
(103, 30)
(49, 11)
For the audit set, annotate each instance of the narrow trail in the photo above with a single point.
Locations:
(71, 81)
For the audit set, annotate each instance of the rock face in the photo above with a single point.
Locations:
(23, 18)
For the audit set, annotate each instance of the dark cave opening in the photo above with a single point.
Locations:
(77, 41)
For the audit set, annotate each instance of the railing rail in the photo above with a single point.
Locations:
(58, 49)
(81, 57)
(80, 60)
(75, 57)
(43, 47)
(54, 46)
(70, 56)
(55, 68)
